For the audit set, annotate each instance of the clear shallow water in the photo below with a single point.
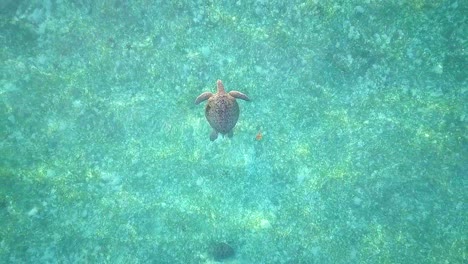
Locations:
(106, 159)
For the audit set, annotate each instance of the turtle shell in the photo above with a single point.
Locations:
(222, 112)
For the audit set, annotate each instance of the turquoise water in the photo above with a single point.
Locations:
(353, 148)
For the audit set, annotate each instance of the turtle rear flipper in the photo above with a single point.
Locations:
(213, 135)
(239, 95)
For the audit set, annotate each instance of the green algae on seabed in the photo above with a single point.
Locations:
(104, 158)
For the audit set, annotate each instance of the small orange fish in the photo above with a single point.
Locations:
(259, 135)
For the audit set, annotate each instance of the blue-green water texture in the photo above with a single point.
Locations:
(352, 149)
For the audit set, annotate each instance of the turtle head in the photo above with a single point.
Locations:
(220, 85)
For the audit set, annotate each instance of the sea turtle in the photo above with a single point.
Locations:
(222, 110)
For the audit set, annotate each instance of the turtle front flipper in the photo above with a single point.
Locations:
(213, 135)
(202, 97)
(239, 95)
